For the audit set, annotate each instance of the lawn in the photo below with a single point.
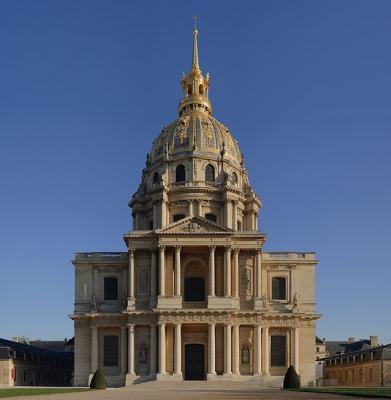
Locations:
(24, 391)
(363, 392)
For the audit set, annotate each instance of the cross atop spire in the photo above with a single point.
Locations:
(195, 18)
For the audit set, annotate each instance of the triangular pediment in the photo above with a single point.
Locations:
(194, 225)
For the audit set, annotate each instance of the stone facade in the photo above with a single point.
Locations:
(195, 296)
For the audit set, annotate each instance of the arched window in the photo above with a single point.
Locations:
(200, 89)
(111, 288)
(178, 217)
(180, 173)
(234, 179)
(156, 177)
(279, 288)
(189, 90)
(194, 289)
(150, 224)
(239, 225)
(211, 217)
(210, 173)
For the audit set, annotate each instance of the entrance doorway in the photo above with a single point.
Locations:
(194, 362)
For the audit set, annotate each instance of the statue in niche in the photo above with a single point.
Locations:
(247, 281)
(142, 355)
(94, 304)
(245, 355)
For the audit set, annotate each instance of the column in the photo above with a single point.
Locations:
(199, 208)
(212, 349)
(256, 221)
(236, 349)
(131, 349)
(236, 274)
(178, 350)
(258, 350)
(212, 270)
(296, 349)
(227, 349)
(266, 350)
(177, 270)
(153, 351)
(94, 349)
(226, 214)
(234, 215)
(153, 278)
(162, 349)
(227, 272)
(164, 213)
(154, 215)
(258, 273)
(190, 209)
(131, 274)
(123, 350)
(162, 289)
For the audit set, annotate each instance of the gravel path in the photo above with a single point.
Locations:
(190, 391)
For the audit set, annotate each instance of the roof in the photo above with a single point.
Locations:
(26, 348)
(318, 340)
(339, 347)
(382, 352)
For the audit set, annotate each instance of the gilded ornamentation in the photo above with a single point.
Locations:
(207, 130)
(228, 137)
(181, 129)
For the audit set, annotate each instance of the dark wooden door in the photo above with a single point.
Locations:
(194, 362)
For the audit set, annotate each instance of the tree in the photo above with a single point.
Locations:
(98, 381)
(292, 379)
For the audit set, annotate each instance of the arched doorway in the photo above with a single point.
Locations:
(194, 362)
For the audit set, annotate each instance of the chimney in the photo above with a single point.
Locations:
(351, 340)
(374, 341)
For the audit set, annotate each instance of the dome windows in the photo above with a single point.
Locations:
(201, 89)
(180, 173)
(156, 178)
(211, 217)
(234, 179)
(209, 173)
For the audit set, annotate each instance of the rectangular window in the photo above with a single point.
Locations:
(370, 375)
(111, 288)
(110, 351)
(279, 288)
(278, 351)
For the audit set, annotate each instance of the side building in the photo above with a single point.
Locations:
(25, 365)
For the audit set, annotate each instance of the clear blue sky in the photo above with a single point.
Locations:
(85, 86)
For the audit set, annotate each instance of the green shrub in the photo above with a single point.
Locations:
(292, 379)
(98, 381)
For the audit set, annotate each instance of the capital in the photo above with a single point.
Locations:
(236, 250)
(227, 248)
(131, 251)
(178, 248)
(212, 248)
(162, 248)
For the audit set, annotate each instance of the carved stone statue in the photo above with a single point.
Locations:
(245, 355)
(124, 302)
(295, 300)
(94, 304)
(265, 302)
(142, 355)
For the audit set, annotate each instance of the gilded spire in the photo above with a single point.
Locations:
(195, 86)
(195, 44)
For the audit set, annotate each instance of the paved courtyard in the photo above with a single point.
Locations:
(191, 391)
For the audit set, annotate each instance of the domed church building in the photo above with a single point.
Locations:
(194, 297)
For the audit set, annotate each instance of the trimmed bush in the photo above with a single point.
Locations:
(292, 379)
(98, 381)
